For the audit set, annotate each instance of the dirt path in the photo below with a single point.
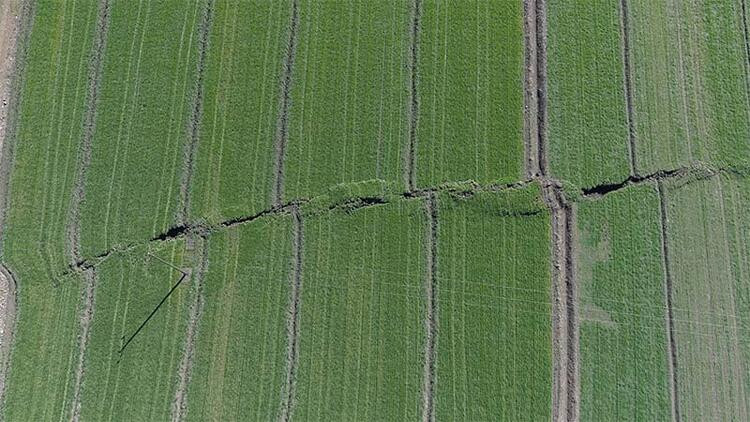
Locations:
(282, 123)
(87, 314)
(530, 99)
(179, 406)
(431, 314)
(540, 12)
(191, 146)
(8, 306)
(628, 83)
(671, 345)
(410, 155)
(293, 319)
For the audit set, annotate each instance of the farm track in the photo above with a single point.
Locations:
(628, 84)
(87, 314)
(293, 318)
(282, 123)
(540, 14)
(179, 406)
(670, 330)
(15, 32)
(8, 308)
(84, 158)
(193, 130)
(530, 99)
(73, 226)
(413, 116)
(14, 57)
(431, 314)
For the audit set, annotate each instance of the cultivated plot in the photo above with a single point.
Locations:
(240, 368)
(470, 92)
(131, 367)
(362, 314)
(45, 350)
(235, 153)
(587, 115)
(709, 256)
(493, 307)
(690, 83)
(143, 112)
(349, 93)
(622, 307)
(53, 97)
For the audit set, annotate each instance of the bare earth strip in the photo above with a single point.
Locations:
(293, 317)
(282, 124)
(8, 307)
(530, 99)
(571, 295)
(559, 304)
(628, 83)
(84, 152)
(84, 158)
(541, 84)
(191, 146)
(87, 314)
(15, 27)
(431, 314)
(672, 355)
(179, 406)
(413, 117)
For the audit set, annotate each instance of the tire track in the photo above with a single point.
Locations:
(73, 227)
(179, 405)
(84, 159)
(530, 99)
(282, 123)
(628, 84)
(87, 314)
(191, 146)
(540, 12)
(671, 344)
(8, 318)
(413, 116)
(293, 320)
(19, 34)
(431, 314)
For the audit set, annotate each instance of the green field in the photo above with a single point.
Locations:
(624, 361)
(45, 350)
(349, 95)
(709, 255)
(132, 185)
(304, 210)
(691, 99)
(587, 123)
(470, 89)
(493, 294)
(234, 163)
(139, 382)
(362, 314)
(240, 367)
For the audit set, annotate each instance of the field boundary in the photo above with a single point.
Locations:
(10, 120)
(282, 122)
(179, 405)
(628, 84)
(86, 315)
(89, 128)
(9, 318)
(530, 99)
(429, 377)
(410, 156)
(288, 395)
(193, 129)
(670, 330)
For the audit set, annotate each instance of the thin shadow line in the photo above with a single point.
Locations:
(164, 299)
